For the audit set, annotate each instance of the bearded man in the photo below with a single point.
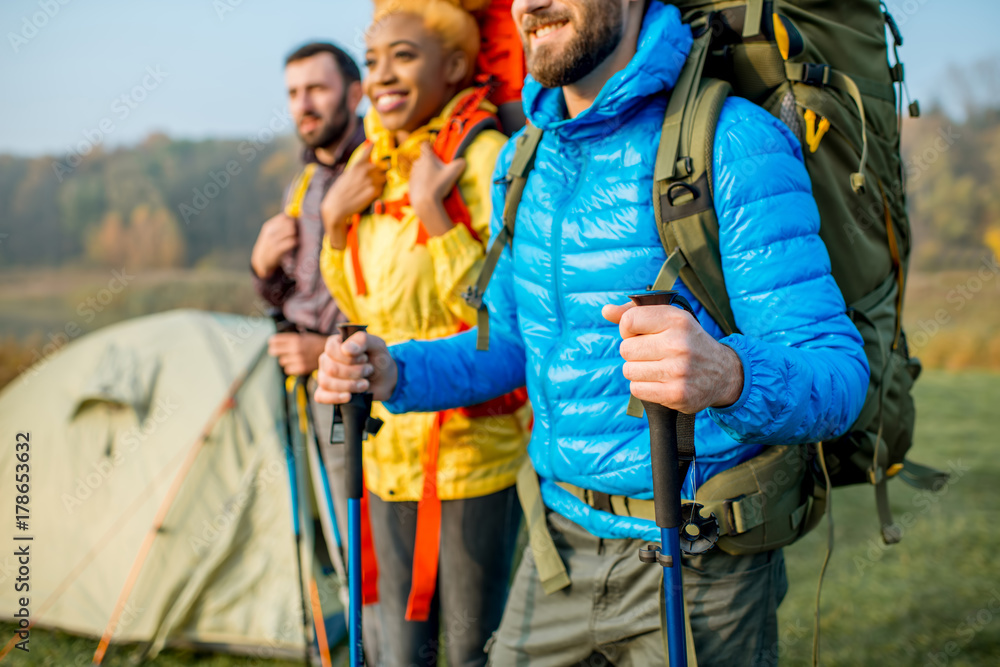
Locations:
(601, 72)
(324, 88)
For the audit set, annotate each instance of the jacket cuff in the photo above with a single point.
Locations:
(331, 264)
(330, 256)
(738, 344)
(397, 402)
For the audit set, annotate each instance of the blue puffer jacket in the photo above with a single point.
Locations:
(586, 237)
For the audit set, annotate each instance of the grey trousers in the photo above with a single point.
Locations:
(478, 536)
(609, 615)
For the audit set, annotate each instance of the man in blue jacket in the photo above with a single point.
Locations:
(586, 238)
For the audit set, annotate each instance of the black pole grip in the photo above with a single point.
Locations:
(355, 415)
(663, 455)
(665, 464)
(348, 329)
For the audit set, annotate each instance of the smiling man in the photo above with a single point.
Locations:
(586, 237)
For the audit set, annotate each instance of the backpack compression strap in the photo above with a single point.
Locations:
(814, 74)
(517, 176)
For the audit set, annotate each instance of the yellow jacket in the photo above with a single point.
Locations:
(414, 292)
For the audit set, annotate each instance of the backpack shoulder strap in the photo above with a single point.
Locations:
(517, 177)
(480, 123)
(297, 193)
(469, 127)
(467, 120)
(683, 204)
(682, 185)
(683, 201)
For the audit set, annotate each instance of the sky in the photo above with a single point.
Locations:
(117, 70)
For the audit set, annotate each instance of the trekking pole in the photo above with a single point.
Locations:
(283, 325)
(355, 414)
(665, 425)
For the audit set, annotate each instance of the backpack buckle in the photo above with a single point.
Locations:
(473, 297)
(816, 74)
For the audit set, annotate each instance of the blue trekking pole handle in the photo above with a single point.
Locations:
(355, 414)
(665, 463)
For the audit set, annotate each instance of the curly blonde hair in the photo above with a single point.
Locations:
(451, 20)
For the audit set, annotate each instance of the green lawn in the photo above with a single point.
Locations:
(930, 594)
(904, 605)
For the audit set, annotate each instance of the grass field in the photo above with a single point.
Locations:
(926, 601)
(937, 591)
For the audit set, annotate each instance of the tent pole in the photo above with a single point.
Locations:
(227, 404)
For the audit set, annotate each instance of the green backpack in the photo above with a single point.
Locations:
(821, 66)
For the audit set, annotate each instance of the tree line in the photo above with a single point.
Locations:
(168, 203)
(162, 203)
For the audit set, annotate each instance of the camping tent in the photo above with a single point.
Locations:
(159, 485)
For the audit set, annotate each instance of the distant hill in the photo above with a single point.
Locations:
(167, 203)
(159, 204)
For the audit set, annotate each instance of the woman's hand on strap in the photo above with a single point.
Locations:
(353, 192)
(431, 180)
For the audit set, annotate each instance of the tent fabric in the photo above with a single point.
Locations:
(112, 418)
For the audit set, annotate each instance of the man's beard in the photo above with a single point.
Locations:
(331, 132)
(598, 33)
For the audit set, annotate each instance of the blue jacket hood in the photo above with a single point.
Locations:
(664, 44)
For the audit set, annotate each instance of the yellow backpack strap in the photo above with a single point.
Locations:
(517, 177)
(293, 207)
(551, 569)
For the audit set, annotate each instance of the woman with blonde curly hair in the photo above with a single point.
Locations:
(406, 230)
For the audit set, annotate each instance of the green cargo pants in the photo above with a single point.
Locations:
(609, 614)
